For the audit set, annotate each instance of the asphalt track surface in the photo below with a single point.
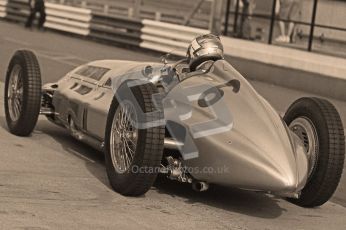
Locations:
(50, 181)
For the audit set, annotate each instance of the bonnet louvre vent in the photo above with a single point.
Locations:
(83, 90)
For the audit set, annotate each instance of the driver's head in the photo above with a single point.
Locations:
(203, 48)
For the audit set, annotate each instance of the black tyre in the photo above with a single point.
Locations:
(23, 93)
(318, 124)
(132, 169)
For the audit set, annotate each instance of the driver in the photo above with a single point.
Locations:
(204, 48)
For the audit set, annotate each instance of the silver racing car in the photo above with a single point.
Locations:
(196, 121)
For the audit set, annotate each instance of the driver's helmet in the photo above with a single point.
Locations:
(203, 48)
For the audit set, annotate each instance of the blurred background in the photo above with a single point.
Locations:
(320, 25)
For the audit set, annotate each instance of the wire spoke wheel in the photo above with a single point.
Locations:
(15, 93)
(23, 91)
(123, 137)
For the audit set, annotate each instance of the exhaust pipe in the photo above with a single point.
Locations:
(200, 186)
(173, 144)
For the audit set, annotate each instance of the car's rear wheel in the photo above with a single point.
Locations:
(22, 93)
(133, 154)
(318, 124)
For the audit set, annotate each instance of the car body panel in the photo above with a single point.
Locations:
(258, 152)
(248, 147)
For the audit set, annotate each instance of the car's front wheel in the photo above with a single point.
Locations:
(318, 124)
(133, 152)
(22, 93)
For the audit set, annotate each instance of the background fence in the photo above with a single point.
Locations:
(3, 5)
(146, 33)
(321, 26)
(292, 68)
(195, 13)
(116, 29)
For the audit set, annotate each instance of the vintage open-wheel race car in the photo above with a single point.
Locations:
(197, 121)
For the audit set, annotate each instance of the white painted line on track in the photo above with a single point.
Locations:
(15, 40)
(72, 57)
(61, 61)
(60, 58)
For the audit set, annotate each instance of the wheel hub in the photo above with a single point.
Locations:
(15, 93)
(306, 131)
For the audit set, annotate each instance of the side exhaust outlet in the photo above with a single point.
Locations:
(200, 186)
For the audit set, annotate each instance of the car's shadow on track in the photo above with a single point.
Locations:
(228, 199)
(94, 160)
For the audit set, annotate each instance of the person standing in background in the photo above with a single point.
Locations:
(245, 20)
(36, 6)
(244, 29)
(288, 10)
